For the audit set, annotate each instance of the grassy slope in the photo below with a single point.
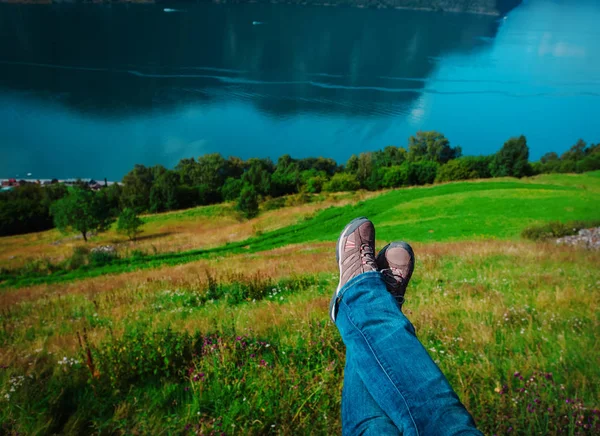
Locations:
(484, 309)
(455, 211)
(205, 227)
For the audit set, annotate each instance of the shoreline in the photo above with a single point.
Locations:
(375, 5)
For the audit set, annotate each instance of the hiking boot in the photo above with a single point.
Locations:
(396, 261)
(355, 253)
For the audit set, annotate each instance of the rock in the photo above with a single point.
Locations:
(586, 238)
(106, 249)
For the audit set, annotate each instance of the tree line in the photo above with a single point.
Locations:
(212, 178)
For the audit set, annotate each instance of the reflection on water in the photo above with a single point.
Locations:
(83, 85)
(123, 60)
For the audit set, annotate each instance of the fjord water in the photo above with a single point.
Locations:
(90, 90)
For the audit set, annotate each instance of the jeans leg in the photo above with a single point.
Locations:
(361, 415)
(394, 366)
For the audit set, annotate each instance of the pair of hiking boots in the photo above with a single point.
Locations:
(355, 253)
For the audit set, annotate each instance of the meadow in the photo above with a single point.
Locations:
(231, 336)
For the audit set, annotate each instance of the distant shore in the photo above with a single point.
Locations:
(13, 182)
(482, 7)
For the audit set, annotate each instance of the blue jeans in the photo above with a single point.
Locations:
(391, 385)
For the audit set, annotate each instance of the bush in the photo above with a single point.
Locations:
(102, 255)
(556, 229)
(590, 163)
(464, 168)
(342, 182)
(394, 177)
(314, 185)
(274, 203)
(421, 173)
(129, 223)
(78, 259)
(248, 202)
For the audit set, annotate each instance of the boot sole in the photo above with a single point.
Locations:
(382, 262)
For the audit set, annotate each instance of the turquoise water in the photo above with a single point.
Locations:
(90, 90)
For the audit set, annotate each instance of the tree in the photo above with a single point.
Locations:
(512, 159)
(258, 175)
(248, 202)
(576, 152)
(163, 195)
(319, 164)
(231, 189)
(352, 164)
(24, 209)
(286, 178)
(136, 188)
(83, 211)
(431, 146)
(365, 168)
(549, 157)
(129, 223)
(390, 156)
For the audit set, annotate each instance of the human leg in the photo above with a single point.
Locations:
(361, 415)
(396, 369)
(381, 343)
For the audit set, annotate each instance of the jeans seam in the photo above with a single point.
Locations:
(381, 366)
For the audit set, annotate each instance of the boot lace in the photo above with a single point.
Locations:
(396, 283)
(368, 256)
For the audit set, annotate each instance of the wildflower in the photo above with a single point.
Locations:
(516, 374)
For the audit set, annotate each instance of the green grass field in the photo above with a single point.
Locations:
(450, 212)
(234, 338)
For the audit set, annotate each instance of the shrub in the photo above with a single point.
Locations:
(102, 255)
(394, 177)
(556, 229)
(129, 223)
(274, 203)
(590, 163)
(421, 173)
(342, 182)
(464, 168)
(78, 258)
(314, 185)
